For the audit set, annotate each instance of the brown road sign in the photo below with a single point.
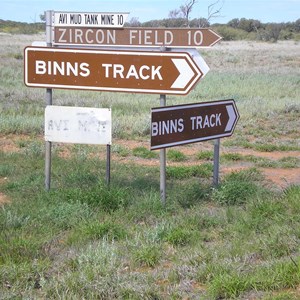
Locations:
(190, 123)
(136, 37)
(117, 71)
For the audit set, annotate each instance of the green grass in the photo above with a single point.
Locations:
(181, 172)
(144, 153)
(205, 155)
(121, 240)
(176, 155)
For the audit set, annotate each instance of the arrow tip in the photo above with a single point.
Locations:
(185, 73)
(232, 117)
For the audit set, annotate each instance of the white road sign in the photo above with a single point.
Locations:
(87, 19)
(80, 125)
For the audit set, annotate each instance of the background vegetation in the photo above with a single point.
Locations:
(236, 29)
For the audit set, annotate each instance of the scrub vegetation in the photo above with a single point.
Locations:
(85, 240)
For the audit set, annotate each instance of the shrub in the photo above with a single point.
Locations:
(205, 155)
(147, 255)
(237, 188)
(143, 152)
(175, 155)
(110, 230)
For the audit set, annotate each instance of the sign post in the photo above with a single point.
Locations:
(163, 162)
(163, 155)
(216, 162)
(48, 145)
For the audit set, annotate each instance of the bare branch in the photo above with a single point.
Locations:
(213, 12)
(186, 9)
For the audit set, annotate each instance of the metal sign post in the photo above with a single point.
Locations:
(108, 158)
(162, 154)
(163, 161)
(216, 162)
(48, 145)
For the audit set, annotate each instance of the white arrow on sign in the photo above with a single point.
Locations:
(185, 73)
(232, 117)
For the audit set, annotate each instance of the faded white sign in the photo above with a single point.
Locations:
(80, 125)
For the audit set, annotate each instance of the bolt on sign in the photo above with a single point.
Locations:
(136, 37)
(190, 123)
(80, 125)
(91, 20)
(118, 71)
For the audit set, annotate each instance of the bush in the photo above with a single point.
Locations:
(237, 188)
(143, 152)
(231, 34)
(110, 230)
(175, 155)
(106, 198)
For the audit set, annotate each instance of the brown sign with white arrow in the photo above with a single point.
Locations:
(136, 37)
(190, 123)
(118, 71)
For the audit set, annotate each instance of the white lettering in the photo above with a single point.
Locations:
(144, 72)
(201, 122)
(61, 37)
(147, 37)
(168, 37)
(62, 68)
(132, 36)
(89, 36)
(40, 67)
(155, 72)
(107, 67)
(167, 127)
(218, 119)
(132, 72)
(85, 71)
(118, 70)
(144, 77)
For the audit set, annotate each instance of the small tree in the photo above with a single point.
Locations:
(183, 12)
(134, 22)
